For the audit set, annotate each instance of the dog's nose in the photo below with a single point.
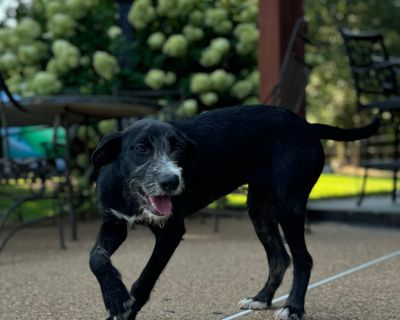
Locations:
(169, 183)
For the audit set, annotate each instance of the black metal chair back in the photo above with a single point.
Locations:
(377, 88)
(373, 73)
(294, 74)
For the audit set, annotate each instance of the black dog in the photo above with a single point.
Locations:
(157, 173)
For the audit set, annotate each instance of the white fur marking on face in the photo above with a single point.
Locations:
(251, 304)
(167, 166)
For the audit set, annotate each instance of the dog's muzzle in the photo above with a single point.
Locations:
(160, 202)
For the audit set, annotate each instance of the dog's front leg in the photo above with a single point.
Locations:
(167, 240)
(117, 299)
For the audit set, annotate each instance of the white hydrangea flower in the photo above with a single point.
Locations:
(28, 54)
(155, 79)
(175, 46)
(168, 8)
(213, 54)
(222, 45)
(193, 34)
(76, 8)
(105, 64)
(45, 83)
(30, 71)
(200, 83)
(186, 6)
(57, 67)
(196, 18)
(62, 25)
(214, 16)
(14, 82)
(91, 3)
(249, 12)
(188, 108)
(254, 78)
(242, 89)
(251, 100)
(66, 54)
(156, 40)
(10, 39)
(141, 14)
(114, 32)
(223, 27)
(210, 57)
(247, 34)
(8, 61)
(54, 7)
(28, 28)
(209, 98)
(221, 79)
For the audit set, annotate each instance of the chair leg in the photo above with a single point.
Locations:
(363, 186)
(216, 221)
(394, 192)
(60, 225)
(396, 157)
(58, 208)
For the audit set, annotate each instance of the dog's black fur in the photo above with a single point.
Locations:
(276, 152)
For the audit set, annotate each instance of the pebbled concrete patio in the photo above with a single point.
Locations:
(374, 210)
(209, 273)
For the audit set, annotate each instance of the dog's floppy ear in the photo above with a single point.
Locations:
(107, 150)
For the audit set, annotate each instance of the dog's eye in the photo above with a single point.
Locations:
(141, 148)
(176, 147)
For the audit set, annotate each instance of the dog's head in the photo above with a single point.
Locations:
(151, 155)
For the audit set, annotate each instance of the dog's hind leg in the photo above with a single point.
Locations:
(291, 218)
(262, 212)
(293, 181)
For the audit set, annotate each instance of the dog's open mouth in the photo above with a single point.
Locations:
(159, 204)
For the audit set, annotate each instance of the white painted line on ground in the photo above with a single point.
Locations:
(326, 280)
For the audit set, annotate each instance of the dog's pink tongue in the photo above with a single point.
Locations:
(162, 204)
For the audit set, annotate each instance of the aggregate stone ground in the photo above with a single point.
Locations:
(209, 273)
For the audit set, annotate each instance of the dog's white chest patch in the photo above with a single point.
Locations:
(120, 215)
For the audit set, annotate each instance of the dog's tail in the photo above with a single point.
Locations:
(339, 134)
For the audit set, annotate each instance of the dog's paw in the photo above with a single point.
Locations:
(286, 314)
(118, 302)
(250, 303)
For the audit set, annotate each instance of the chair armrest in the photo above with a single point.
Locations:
(378, 66)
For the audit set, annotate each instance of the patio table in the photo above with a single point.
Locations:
(68, 110)
(76, 109)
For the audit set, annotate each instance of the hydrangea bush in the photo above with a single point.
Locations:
(60, 47)
(206, 49)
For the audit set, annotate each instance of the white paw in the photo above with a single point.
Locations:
(284, 314)
(249, 303)
(127, 305)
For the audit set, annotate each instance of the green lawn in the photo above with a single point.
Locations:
(328, 186)
(28, 210)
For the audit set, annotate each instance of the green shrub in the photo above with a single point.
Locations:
(207, 49)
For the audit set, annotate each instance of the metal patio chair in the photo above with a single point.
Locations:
(294, 74)
(35, 171)
(376, 81)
